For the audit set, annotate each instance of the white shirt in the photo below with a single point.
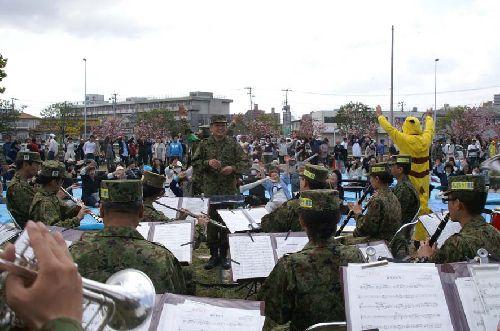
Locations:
(356, 150)
(53, 146)
(89, 147)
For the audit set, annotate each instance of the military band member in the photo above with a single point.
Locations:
(20, 193)
(286, 217)
(466, 200)
(120, 246)
(404, 189)
(153, 186)
(46, 206)
(383, 217)
(220, 161)
(304, 288)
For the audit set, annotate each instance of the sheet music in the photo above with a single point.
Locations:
(172, 236)
(235, 220)
(23, 247)
(7, 231)
(172, 202)
(143, 229)
(488, 285)
(291, 245)
(256, 214)
(196, 206)
(196, 316)
(381, 249)
(89, 322)
(471, 303)
(431, 222)
(255, 258)
(396, 297)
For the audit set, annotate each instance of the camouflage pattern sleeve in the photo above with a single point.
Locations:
(277, 294)
(175, 276)
(240, 160)
(454, 249)
(283, 219)
(68, 211)
(19, 198)
(199, 158)
(62, 324)
(409, 200)
(369, 224)
(48, 212)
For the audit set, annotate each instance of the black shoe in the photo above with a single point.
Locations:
(212, 262)
(224, 263)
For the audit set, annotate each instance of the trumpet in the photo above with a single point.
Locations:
(191, 214)
(125, 301)
(79, 203)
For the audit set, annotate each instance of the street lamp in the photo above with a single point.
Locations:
(435, 89)
(85, 100)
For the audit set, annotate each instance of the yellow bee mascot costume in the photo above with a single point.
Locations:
(415, 142)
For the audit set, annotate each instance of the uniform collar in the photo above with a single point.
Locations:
(329, 242)
(475, 221)
(119, 231)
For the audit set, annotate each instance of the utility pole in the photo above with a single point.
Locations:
(392, 78)
(85, 99)
(12, 104)
(402, 105)
(114, 103)
(286, 95)
(251, 96)
(287, 117)
(435, 90)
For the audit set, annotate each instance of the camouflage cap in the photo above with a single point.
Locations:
(153, 180)
(28, 156)
(54, 169)
(315, 172)
(380, 168)
(319, 200)
(218, 119)
(466, 183)
(121, 190)
(401, 159)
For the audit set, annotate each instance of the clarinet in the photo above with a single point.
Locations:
(439, 229)
(191, 214)
(351, 213)
(78, 203)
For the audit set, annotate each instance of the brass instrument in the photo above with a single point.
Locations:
(125, 301)
(191, 214)
(79, 203)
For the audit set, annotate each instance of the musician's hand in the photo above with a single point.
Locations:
(425, 250)
(378, 111)
(203, 219)
(429, 112)
(60, 194)
(356, 208)
(82, 212)
(184, 213)
(215, 164)
(227, 170)
(57, 290)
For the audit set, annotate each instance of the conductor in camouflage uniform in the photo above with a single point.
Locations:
(404, 189)
(286, 217)
(46, 206)
(20, 193)
(153, 186)
(466, 200)
(304, 288)
(120, 246)
(220, 161)
(383, 217)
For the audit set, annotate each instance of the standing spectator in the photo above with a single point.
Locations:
(79, 151)
(53, 147)
(132, 148)
(472, 153)
(14, 149)
(268, 151)
(159, 150)
(356, 149)
(6, 150)
(157, 167)
(449, 149)
(338, 155)
(175, 150)
(109, 152)
(91, 183)
(123, 150)
(392, 150)
(437, 150)
(282, 150)
(149, 145)
(89, 148)
(370, 149)
(381, 150)
(323, 152)
(33, 147)
(70, 150)
(344, 153)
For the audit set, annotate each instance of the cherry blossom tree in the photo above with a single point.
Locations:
(111, 126)
(356, 120)
(310, 127)
(473, 122)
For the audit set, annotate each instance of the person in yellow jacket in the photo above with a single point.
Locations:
(415, 142)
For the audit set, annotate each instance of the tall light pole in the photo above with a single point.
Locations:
(85, 99)
(435, 89)
(392, 78)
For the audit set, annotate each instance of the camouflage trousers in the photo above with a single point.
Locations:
(217, 238)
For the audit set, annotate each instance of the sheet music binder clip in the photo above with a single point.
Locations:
(371, 254)
(483, 256)
(374, 264)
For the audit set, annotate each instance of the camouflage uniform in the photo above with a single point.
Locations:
(101, 254)
(150, 213)
(62, 324)
(304, 288)
(228, 153)
(475, 234)
(286, 217)
(406, 192)
(46, 207)
(383, 217)
(19, 193)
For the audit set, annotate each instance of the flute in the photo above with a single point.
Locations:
(439, 229)
(192, 214)
(351, 212)
(95, 216)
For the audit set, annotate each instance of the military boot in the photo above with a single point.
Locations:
(214, 259)
(224, 261)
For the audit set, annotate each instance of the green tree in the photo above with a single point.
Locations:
(3, 63)
(443, 125)
(356, 119)
(8, 116)
(61, 118)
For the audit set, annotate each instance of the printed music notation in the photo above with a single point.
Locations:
(396, 297)
(254, 256)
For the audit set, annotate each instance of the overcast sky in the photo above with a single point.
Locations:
(327, 52)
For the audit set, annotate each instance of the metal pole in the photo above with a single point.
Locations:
(85, 101)
(392, 78)
(435, 88)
